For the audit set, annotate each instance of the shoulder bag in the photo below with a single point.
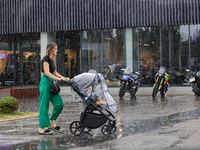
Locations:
(55, 89)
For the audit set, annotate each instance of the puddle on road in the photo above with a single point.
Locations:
(141, 126)
(65, 141)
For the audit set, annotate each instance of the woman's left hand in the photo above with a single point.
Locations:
(67, 78)
(63, 78)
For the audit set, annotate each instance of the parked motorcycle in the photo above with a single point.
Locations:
(161, 82)
(129, 82)
(113, 72)
(177, 76)
(195, 80)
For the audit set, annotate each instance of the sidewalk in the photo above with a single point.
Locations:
(171, 123)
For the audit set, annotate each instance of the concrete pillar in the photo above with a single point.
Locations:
(45, 38)
(129, 47)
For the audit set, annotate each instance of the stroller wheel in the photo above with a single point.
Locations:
(76, 127)
(108, 130)
(87, 130)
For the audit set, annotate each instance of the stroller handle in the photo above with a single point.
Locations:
(67, 82)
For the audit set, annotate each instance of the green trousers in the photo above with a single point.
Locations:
(45, 96)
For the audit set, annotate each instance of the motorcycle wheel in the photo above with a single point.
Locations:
(133, 92)
(122, 90)
(162, 93)
(196, 90)
(155, 90)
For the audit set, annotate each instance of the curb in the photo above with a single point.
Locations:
(10, 120)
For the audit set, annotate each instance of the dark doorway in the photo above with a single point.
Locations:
(29, 66)
(70, 61)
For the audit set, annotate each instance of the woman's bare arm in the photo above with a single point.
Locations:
(48, 74)
(60, 76)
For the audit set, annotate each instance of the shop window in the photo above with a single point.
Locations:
(175, 53)
(70, 62)
(103, 50)
(146, 53)
(113, 55)
(195, 44)
(7, 67)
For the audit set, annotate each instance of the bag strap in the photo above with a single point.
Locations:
(49, 80)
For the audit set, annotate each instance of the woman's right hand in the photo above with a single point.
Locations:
(67, 78)
(63, 78)
(60, 79)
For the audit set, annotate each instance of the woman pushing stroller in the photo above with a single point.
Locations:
(49, 74)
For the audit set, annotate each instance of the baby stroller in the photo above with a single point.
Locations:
(91, 87)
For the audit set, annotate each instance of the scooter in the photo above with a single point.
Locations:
(129, 82)
(161, 82)
(195, 80)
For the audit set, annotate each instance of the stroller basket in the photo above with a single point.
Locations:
(93, 120)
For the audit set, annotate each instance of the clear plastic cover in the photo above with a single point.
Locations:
(93, 84)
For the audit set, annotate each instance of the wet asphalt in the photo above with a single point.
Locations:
(142, 123)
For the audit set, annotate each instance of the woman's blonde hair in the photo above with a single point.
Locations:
(49, 50)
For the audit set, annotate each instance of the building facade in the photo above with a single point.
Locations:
(105, 35)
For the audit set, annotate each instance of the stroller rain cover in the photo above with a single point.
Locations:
(88, 84)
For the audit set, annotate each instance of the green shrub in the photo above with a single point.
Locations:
(8, 105)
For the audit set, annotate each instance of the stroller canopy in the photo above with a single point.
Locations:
(88, 84)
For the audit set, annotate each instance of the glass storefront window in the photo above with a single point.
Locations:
(70, 38)
(175, 53)
(6, 61)
(103, 50)
(195, 44)
(113, 55)
(91, 51)
(19, 65)
(166, 46)
(70, 62)
(146, 52)
(29, 68)
(30, 40)
(68, 58)
(7, 67)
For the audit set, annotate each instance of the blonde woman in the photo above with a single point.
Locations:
(49, 74)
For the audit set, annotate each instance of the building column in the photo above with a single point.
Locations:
(45, 38)
(129, 47)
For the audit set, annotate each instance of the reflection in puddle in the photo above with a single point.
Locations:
(140, 126)
(63, 142)
(4, 141)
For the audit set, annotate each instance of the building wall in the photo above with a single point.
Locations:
(24, 16)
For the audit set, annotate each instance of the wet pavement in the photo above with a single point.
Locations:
(142, 123)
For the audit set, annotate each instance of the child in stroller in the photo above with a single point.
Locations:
(92, 90)
(99, 101)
